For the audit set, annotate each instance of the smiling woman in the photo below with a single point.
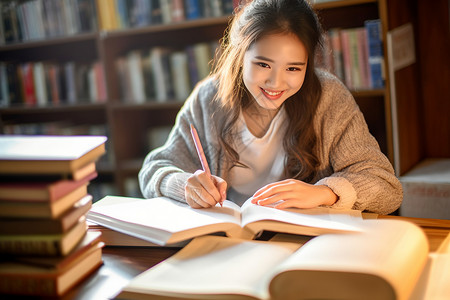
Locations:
(274, 128)
(274, 69)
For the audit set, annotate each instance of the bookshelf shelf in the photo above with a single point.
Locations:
(206, 23)
(151, 105)
(54, 42)
(341, 3)
(369, 93)
(128, 124)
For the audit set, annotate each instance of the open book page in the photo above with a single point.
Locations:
(386, 259)
(223, 267)
(435, 279)
(164, 217)
(317, 219)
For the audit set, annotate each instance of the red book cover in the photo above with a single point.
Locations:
(28, 84)
(46, 190)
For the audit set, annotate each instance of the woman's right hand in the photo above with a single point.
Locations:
(203, 190)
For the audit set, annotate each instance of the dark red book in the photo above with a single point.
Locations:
(45, 190)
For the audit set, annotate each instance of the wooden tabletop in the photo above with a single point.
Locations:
(436, 230)
(121, 264)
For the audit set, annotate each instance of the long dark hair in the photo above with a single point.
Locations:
(254, 20)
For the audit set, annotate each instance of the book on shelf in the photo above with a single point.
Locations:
(59, 244)
(31, 225)
(55, 155)
(375, 50)
(136, 76)
(37, 20)
(383, 261)
(45, 82)
(354, 55)
(163, 74)
(51, 276)
(177, 11)
(193, 9)
(107, 14)
(180, 74)
(153, 219)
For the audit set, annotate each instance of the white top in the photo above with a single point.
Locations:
(264, 157)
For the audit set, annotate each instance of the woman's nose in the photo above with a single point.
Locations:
(275, 78)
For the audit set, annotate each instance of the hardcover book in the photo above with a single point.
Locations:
(51, 276)
(43, 244)
(42, 209)
(383, 261)
(48, 154)
(164, 221)
(28, 226)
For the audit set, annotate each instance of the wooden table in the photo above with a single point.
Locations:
(121, 264)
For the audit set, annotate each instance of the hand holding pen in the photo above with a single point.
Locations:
(204, 189)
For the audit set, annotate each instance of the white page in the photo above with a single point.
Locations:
(320, 217)
(216, 265)
(165, 214)
(434, 283)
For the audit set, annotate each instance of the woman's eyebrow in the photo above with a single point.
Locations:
(271, 60)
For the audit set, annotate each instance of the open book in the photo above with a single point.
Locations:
(164, 221)
(383, 261)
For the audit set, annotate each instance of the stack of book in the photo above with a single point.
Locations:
(45, 248)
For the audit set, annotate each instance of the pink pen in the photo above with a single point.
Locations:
(201, 154)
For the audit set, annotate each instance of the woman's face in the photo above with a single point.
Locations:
(274, 69)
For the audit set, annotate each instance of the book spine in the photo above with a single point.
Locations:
(202, 54)
(166, 11)
(337, 53)
(16, 245)
(355, 67)
(180, 75)
(375, 50)
(135, 70)
(177, 8)
(39, 83)
(363, 57)
(193, 9)
(27, 285)
(4, 94)
(346, 58)
(122, 13)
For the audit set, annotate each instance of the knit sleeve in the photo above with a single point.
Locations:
(166, 169)
(353, 165)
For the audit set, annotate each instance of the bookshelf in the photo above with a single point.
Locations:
(127, 123)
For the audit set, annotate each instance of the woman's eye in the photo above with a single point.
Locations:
(261, 64)
(293, 69)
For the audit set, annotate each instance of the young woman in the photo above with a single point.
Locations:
(273, 128)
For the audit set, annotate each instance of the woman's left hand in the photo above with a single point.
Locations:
(294, 193)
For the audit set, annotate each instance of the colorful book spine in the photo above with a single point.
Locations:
(193, 9)
(375, 50)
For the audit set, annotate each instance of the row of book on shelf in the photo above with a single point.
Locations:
(43, 19)
(163, 74)
(123, 14)
(45, 245)
(43, 83)
(355, 55)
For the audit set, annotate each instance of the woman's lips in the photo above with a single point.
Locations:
(272, 95)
